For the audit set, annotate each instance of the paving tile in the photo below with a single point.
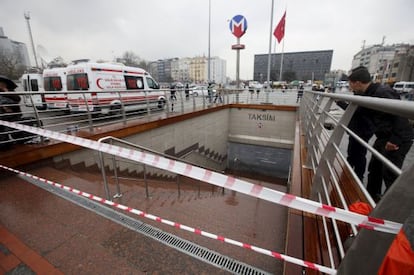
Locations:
(21, 269)
(41, 266)
(30, 258)
(15, 246)
(3, 249)
(95, 259)
(9, 262)
(77, 241)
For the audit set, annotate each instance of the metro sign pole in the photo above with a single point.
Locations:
(238, 27)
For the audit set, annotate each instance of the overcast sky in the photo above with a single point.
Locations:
(158, 29)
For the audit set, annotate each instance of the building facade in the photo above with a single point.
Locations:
(198, 69)
(218, 70)
(387, 64)
(189, 70)
(180, 70)
(311, 65)
(14, 53)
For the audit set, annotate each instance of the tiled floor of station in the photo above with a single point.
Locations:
(41, 233)
(45, 234)
(18, 258)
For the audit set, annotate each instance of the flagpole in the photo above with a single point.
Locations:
(281, 60)
(270, 45)
(279, 34)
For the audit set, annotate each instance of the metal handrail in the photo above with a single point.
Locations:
(140, 147)
(59, 119)
(323, 146)
(314, 108)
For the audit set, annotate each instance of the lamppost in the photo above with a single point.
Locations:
(270, 45)
(27, 17)
(209, 40)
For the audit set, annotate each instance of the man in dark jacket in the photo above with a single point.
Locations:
(9, 109)
(9, 104)
(362, 126)
(394, 133)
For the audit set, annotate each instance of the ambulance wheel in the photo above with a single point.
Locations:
(161, 104)
(115, 110)
(42, 107)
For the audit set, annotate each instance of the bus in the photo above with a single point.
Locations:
(109, 86)
(54, 79)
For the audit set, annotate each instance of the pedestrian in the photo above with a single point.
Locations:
(284, 87)
(210, 92)
(218, 94)
(300, 93)
(187, 91)
(173, 91)
(9, 103)
(394, 134)
(251, 91)
(258, 91)
(362, 126)
(9, 109)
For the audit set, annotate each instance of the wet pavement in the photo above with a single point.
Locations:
(77, 241)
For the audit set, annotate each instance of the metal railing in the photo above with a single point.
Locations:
(64, 119)
(324, 146)
(324, 137)
(116, 161)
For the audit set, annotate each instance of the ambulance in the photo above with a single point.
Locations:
(54, 80)
(107, 87)
(33, 82)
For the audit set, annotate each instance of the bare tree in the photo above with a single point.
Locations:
(57, 62)
(129, 58)
(10, 64)
(143, 64)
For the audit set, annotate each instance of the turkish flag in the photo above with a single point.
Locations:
(279, 32)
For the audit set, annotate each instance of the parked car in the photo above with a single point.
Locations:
(404, 87)
(200, 91)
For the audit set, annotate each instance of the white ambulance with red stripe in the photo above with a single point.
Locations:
(54, 80)
(32, 82)
(109, 86)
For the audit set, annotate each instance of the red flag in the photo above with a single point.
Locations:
(279, 32)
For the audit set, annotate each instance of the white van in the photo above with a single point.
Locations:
(404, 87)
(54, 79)
(33, 82)
(108, 84)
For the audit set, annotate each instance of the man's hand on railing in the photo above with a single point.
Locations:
(391, 146)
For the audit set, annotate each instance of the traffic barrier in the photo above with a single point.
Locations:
(220, 180)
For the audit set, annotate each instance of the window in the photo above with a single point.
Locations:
(152, 84)
(53, 83)
(78, 82)
(34, 85)
(134, 82)
(25, 87)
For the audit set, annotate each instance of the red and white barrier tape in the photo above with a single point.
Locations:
(220, 180)
(140, 213)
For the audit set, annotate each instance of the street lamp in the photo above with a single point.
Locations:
(27, 17)
(270, 45)
(209, 40)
